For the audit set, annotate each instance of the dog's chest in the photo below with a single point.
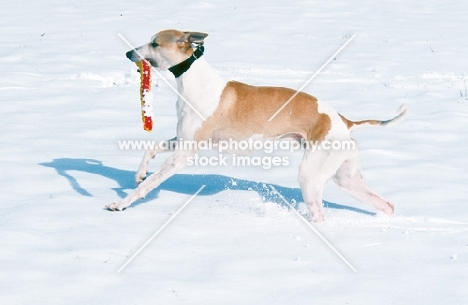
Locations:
(201, 88)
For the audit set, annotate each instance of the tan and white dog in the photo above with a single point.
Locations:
(238, 111)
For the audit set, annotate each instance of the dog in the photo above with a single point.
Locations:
(238, 111)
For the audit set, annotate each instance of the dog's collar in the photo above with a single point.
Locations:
(182, 67)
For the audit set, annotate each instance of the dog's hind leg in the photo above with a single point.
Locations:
(172, 165)
(150, 154)
(350, 179)
(316, 168)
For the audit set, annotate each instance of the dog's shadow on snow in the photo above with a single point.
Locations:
(181, 183)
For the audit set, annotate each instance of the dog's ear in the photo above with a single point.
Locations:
(193, 37)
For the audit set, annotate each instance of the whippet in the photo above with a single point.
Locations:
(234, 110)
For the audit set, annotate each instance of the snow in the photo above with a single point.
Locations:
(69, 95)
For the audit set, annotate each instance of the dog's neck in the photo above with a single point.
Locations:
(201, 86)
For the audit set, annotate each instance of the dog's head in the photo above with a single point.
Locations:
(167, 48)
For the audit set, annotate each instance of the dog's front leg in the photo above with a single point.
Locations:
(150, 154)
(172, 165)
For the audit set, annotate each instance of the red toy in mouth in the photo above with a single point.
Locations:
(146, 96)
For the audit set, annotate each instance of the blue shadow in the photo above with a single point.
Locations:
(181, 183)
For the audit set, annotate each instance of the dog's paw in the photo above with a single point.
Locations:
(115, 207)
(389, 209)
(140, 177)
(318, 219)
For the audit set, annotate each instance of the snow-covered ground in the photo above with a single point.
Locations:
(69, 95)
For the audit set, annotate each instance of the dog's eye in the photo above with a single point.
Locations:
(154, 44)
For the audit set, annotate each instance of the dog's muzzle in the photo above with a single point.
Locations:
(131, 55)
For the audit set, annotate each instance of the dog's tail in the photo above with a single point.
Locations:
(352, 126)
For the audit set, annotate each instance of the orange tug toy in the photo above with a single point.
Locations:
(146, 97)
